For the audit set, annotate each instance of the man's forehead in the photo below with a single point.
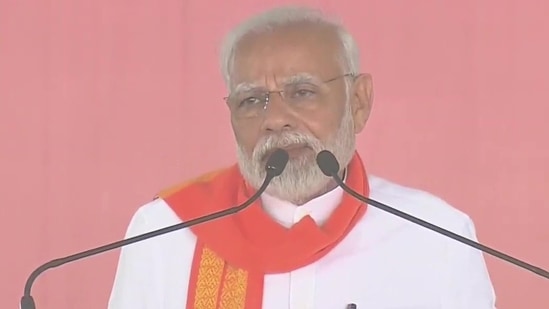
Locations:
(303, 52)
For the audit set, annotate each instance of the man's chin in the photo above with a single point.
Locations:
(297, 191)
(298, 167)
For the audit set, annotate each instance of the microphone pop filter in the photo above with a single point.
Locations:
(277, 162)
(327, 163)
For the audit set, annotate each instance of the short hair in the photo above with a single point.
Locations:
(283, 16)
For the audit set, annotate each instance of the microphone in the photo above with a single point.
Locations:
(275, 165)
(328, 164)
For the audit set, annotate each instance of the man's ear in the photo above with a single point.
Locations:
(362, 99)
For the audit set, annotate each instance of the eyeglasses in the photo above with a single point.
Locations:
(301, 91)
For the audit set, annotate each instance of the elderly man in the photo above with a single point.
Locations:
(294, 83)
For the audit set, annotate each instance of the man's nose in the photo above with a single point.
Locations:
(277, 115)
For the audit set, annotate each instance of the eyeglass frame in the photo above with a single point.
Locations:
(267, 94)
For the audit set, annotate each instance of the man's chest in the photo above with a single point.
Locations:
(369, 280)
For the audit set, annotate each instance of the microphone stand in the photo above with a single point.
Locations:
(330, 167)
(274, 167)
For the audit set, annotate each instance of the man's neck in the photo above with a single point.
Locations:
(319, 208)
(331, 185)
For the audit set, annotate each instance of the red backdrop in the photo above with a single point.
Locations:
(103, 103)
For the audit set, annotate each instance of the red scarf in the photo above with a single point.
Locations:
(233, 254)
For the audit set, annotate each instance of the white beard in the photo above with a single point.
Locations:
(302, 178)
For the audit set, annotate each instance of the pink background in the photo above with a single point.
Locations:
(103, 103)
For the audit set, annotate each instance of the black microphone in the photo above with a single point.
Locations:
(328, 164)
(274, 167)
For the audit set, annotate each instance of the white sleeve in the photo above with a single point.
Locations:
(468, 284)
(130, 280)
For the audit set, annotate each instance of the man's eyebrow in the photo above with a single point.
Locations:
(301, 78)
(294, 79)
(244, 87)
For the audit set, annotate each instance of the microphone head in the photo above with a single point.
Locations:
(327, 163)
(277, 162)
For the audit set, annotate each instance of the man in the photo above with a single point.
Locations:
(294, 83)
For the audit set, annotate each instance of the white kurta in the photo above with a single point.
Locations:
(384, 263)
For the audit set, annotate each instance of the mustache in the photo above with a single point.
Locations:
(269, 143)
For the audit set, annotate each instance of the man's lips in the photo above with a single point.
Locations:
(294, 146)
(293, 149)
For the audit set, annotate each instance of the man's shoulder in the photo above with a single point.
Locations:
(151, 216)
(204, 180)
(158, 212)
(417, 202)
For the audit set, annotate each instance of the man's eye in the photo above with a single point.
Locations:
(304, 92)
(250, 101)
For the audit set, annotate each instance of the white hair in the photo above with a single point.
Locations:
(284, 16)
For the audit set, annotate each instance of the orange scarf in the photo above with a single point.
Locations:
(234, 253)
